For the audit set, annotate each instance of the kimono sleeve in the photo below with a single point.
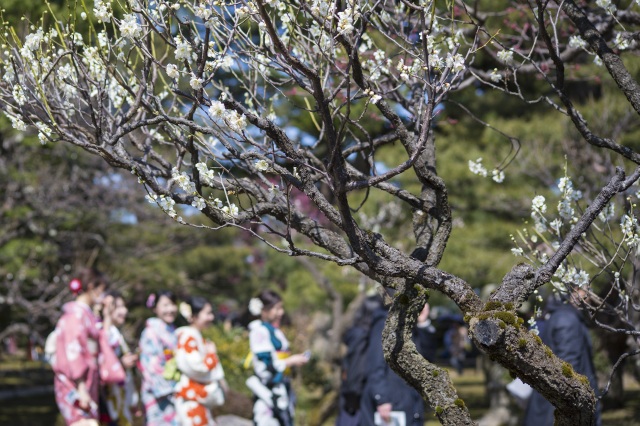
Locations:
(263, 349)
(72, 352)
(111, 370)
(152, 361)
(195, 362)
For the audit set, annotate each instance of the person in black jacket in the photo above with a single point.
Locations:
(568, 337)
(385, 391)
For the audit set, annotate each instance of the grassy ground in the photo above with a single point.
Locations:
(41, 410)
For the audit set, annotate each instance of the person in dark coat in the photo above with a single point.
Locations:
(568, 337)
(385, 391)
(355, 370)
(425, 335)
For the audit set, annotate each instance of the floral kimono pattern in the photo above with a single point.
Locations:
(118, 398)
(198, 389)
(157, 346)
(82, 351)
(274, 401)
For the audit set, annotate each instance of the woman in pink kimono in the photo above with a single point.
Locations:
(83, 355)
(201, 383)
(157, 346)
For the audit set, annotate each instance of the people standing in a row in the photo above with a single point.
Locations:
(79, 343)
(157, 346)
(272, 360)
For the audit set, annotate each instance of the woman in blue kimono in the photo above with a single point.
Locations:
(271, 360)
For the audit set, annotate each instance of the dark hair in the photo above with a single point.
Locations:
(197, 304)
(115, 294)
(364, 315)
(88, 277)
(153, 298)
(269, 298)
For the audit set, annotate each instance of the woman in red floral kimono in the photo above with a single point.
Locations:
(83, 355)
(201, 383)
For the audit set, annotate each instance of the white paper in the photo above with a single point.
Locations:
(398, 418)
(519, 389)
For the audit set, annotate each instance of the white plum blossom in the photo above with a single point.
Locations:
(435, 60)
(577, 42)
(217, 109)
(103, 39)
(262, 165)
(236, 122)
(565, 185)
(517, 251)
(455, 62)
(565, 210)
(207, 176)
(16, 122)
(581, 278)
(495, 76)
(129, 26)
(172, 71)
(629, 226)
(226, 62)
(202, 167)
(198, 203)
(345, 20)
(477, 168)
(18, 95)
(538, 205)
(203, 12)
(621, 42)
(167, 204)
(102, 10)
(44, 132)
(183, 180)
(242, 11)
(497, 175)
(373, 96)
(32, 41)
(183, 49)
(506, 57)
(608, 213)
(607, 5)
(151, 198)
(231, 210)
(195, 82)
(533, 325)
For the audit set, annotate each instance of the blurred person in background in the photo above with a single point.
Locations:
(157, 350)
(201, 385)
(119, 400)
(567, 335)
(79, 342)
(271, 357)
(387, 397)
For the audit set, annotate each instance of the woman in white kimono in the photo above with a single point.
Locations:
(271, 359)
(201, 384)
